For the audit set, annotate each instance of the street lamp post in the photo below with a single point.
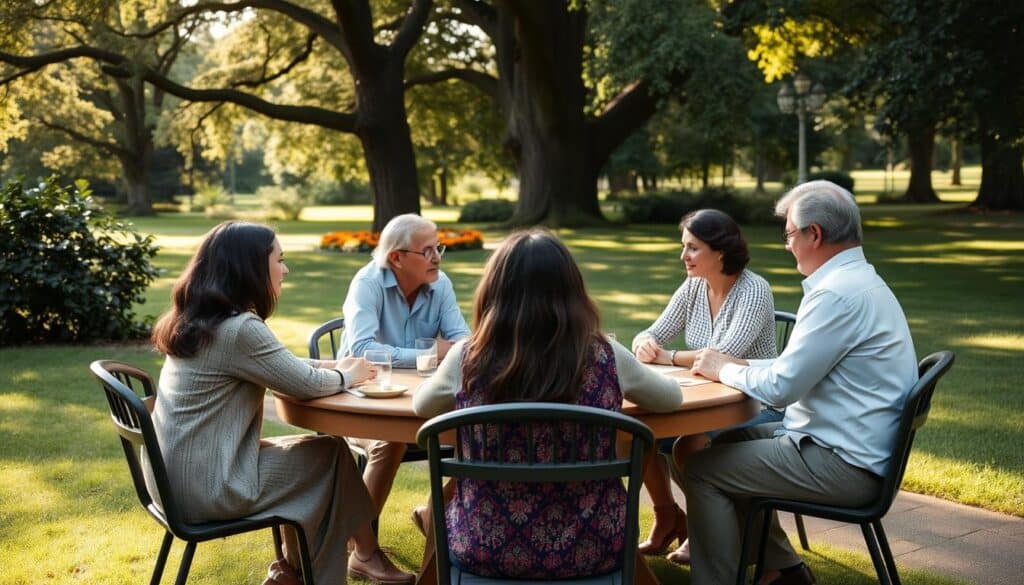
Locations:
(804, 100)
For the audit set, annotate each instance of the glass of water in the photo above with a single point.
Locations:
(426, 356)
(382, 361)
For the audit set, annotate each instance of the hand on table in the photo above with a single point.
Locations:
(356, 369)
(647, 350)
(709, 363)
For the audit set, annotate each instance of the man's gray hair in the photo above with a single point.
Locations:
(397, 235)
(826, 204)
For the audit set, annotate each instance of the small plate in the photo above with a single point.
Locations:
(378, 391)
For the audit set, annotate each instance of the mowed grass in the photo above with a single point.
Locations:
(68, 512)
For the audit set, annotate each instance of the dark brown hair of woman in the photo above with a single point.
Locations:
(228, 275)
(534, 325)
(722, 234)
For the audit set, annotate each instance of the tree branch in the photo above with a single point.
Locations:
(302, 56)
(316, 116)
(112, 148)
(412, 27)
(32, 63)
(482, 81)
(627, 112)
(362, 51)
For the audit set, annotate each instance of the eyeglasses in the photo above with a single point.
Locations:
(428, 251)
(790, 234)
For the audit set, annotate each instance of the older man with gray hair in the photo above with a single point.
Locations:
(401, 295)
(842, 380)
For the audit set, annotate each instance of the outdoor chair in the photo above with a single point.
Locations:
(869, 516)
(582, 422)
(784, 321)
(130, 415)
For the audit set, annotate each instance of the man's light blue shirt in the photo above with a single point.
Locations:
(377, 315)
(847, 368)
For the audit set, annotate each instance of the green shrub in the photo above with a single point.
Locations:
(340, 193)
(213, 201)
(71, 272)
(838, 177)
(669, 207)
(481, 210)
(284, 202)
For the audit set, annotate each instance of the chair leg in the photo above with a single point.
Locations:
(186, 563)
(876, 557)
(161, 559)
(890, 563)
(766, 524)
(748, 528)
(801, 531)
(307, 564)
(278, 543)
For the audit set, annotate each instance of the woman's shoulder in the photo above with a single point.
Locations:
(752, 281)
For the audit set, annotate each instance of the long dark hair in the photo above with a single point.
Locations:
(228, 275)
(535, 326)
(722, 234)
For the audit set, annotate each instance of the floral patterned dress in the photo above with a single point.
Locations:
(540, 531)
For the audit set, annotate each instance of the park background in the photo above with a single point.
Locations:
(612, 118)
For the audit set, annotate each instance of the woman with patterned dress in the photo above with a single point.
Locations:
(537, 338)
(221, 358)
(720, 305)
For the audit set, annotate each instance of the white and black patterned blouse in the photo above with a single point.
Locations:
(744, 328)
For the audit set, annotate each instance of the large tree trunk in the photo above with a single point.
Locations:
(546, 128)
(136, 185)
(1002, 176)
(383, 130)
(957, 149)
(921, 142)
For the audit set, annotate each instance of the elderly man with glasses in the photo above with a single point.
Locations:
(401, 295)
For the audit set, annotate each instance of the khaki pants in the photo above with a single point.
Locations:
(719, 481)
(383, 459)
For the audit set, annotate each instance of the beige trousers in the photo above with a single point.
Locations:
(383, 459)
(719, 481)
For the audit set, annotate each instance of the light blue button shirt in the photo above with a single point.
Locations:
(848, 366)
(377, 315)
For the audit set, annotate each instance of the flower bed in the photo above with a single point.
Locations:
(363, 241)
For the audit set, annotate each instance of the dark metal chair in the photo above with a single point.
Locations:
(784, 321)
(586, 421)
(869, 516)
(130, 416)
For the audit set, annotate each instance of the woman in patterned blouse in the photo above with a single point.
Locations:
(537, 338)
(720, 305)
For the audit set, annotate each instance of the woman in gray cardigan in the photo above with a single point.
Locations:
(221, 358)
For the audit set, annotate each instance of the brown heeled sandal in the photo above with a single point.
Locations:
(678, 531)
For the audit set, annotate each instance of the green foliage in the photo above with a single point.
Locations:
(284, 202)
(483, 210)
(70, 271)
(212, 200)
(340, 192)
(670, 206)
(838, 177)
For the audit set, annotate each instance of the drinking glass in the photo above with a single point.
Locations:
(382, 361)
(426, 356)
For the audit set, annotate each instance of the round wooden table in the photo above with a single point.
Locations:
(705, 407)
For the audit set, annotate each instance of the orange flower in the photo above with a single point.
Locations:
(365, 241)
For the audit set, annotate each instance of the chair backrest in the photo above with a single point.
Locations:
(574, 423)
(129, 413)
(332, 330)
(914, 414)
(784, 321)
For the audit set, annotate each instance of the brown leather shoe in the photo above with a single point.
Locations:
(281, 573)
(378, 569)
(801, 576)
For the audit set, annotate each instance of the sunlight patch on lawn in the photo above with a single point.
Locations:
(614, 244)
(996, 341)
(18, 402)
(884, 222)
(957, 259)
(628, 298)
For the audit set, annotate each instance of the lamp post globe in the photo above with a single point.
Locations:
(801, 98)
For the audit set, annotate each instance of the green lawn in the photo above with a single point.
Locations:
(68, 513)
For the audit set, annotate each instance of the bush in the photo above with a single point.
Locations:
(213, 201)
(838, 177)
(339, 193)
(670, 207)
(481, 210)
(71, 272)
(284, 202)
